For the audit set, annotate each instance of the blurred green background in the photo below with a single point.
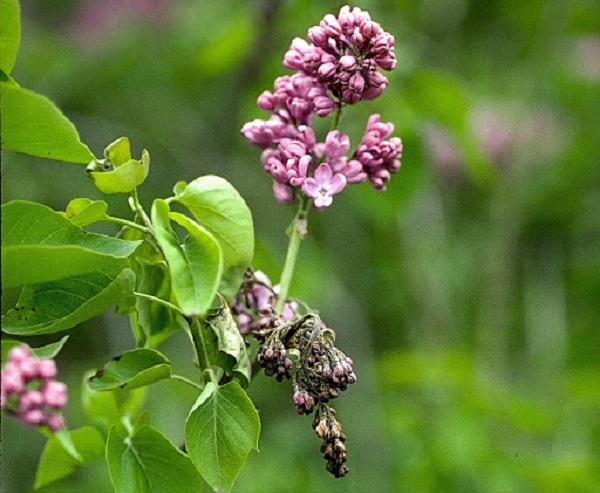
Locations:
(468, 294)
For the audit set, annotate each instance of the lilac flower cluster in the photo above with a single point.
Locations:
(29, 390)
(340, 67)
(254, 305)
(345, 53)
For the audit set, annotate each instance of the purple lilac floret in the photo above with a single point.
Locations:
(339, 67)
(29, 389)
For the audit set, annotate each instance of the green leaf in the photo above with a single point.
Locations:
(118, 152)
(44, 352)
(41, 245)
(117, 176)
(221, 430)
(217, 206)
(32, 124)
(59, 305)
(10, 34)
(50, 350)
(56, 463)
(147, 462)
(66, 440)
(132, 369)
(101, 408)
(83, 211)
(157, 321)
(7, 345)
(229, 339)
(195, 266)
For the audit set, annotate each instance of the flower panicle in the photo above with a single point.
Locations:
(339, 66)
(30, 391)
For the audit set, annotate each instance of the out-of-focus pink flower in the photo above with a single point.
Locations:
(21, 378)
(444, 152)
(94, 19)
(495, 133)
(55, 394)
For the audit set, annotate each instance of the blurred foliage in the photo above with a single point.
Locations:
(467, 293)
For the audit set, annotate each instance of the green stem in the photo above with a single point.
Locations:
(125, 222)
(166, 303)
(197, 329)
(337, 116)
(297, 228)
(186, 380)
(140, 210)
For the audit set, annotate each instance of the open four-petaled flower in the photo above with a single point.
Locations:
(324, 185)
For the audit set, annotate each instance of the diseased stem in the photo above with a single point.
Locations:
(297, 230)
(160, 301)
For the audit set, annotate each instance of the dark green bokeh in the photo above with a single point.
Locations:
(467, 294)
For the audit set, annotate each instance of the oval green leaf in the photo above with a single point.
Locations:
(56, 463)
(45, 352)
(132, 369)
(32, 124)
(125, 177)
(220, 432)
(41, 245)
(195, 266)
(59, 305)
(148, 462)
(10, 34)
(218, 206)
(83, 211)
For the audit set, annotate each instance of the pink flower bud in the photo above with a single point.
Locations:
(347, 62)
(46, 369)
(318, 36)
(324, 105)
(29, 369)
(30, 400)
(327, 70)
(19, 354)
(55, 394)
(336, 144)
(283, 193)
(12, 379)
(356, 83)
(266, 101)
(33, 417)
(55, 422)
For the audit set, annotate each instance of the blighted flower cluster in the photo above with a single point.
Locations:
(328, 428)
(322, 371)
(304, 350)
(29, 389)
(339, 67)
